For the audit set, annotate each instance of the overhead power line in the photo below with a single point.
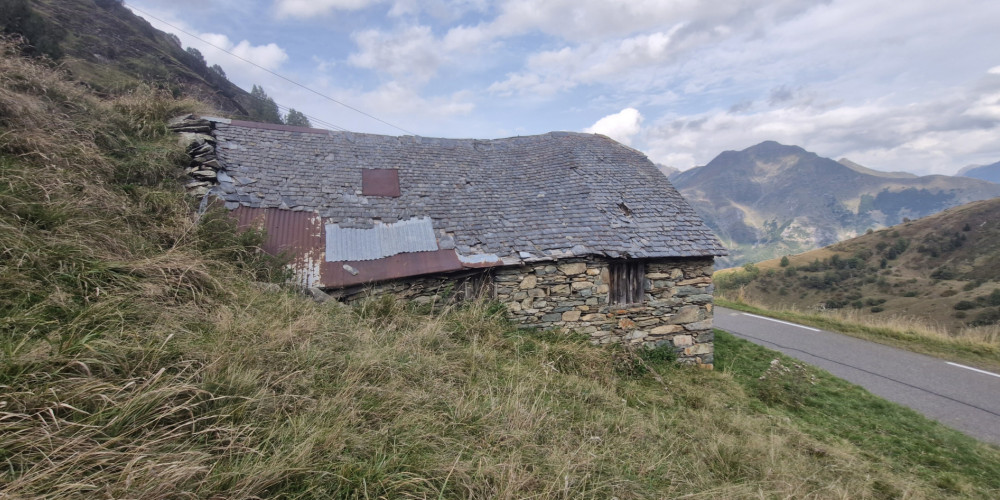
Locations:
(289, 80)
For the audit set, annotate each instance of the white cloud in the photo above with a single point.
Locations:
(411, 53)
(310, 8)
(270, 55)
(995, 70)
(931, 136)
(621, 126)
(213, 46)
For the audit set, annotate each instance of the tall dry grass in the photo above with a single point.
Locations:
(987, 337)
(141, 358)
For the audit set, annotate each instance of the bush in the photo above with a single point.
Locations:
(944, 273)
(964, 305)
(993, 299)
(878, 309)
(986, 318)
(784, 261)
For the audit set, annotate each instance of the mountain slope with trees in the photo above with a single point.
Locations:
(943, 269)
(772, 199)
(103, 44)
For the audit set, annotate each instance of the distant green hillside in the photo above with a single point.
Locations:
(944, 268)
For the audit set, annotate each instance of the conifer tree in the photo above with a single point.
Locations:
(296, 118)
(262, 107)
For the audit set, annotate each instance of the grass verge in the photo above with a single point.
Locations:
(837, 412)
(979, 354)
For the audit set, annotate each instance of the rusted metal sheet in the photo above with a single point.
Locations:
(335, 275)
(298, 235)
(380, 182)
(302, 237)
(383, 240)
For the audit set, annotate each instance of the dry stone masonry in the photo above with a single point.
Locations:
(204, 169)
(573, 295)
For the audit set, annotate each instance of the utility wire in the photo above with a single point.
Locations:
(289, 80)
(313, 119)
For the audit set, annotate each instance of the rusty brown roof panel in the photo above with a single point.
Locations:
(297, 235)
(335, 275)
(301, 237)
(380, 182)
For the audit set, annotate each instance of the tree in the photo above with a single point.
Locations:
(296, 118)
(263, 108)
(784, 261)
(218, 70)
(197, 55)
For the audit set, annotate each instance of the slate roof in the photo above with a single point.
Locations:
(548, 196)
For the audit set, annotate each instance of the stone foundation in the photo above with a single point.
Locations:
(573, 295)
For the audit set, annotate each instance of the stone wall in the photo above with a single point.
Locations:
(573, 295)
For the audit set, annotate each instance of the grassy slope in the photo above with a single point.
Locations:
(940, 295)
(140, 358)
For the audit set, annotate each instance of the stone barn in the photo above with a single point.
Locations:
(568, 230)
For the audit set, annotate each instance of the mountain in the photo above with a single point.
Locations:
(944, 269)
(877, 173)
(104, 45)
(772, 199)
(989, 172)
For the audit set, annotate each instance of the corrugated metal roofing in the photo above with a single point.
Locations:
(383, 240)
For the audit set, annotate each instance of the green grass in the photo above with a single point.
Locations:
(980, 354)
(837, 412)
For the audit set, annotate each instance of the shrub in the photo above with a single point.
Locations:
(944, 273)
(993, 298)
(964, 305)
(784, 261)
(986, 318)
(878, 309)
(948, 293)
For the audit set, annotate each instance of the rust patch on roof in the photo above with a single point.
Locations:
(297, 235)
(301, 237)
(380, 182)
(336, 275)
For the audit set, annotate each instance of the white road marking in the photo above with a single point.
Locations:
(973, 369)
(779, 321)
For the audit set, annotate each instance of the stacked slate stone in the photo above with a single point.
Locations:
(195, 135)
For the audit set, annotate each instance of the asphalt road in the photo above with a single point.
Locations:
(961, 397)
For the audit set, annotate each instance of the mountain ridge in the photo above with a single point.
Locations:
(772, 199)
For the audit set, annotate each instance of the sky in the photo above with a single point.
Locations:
(893, 85)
